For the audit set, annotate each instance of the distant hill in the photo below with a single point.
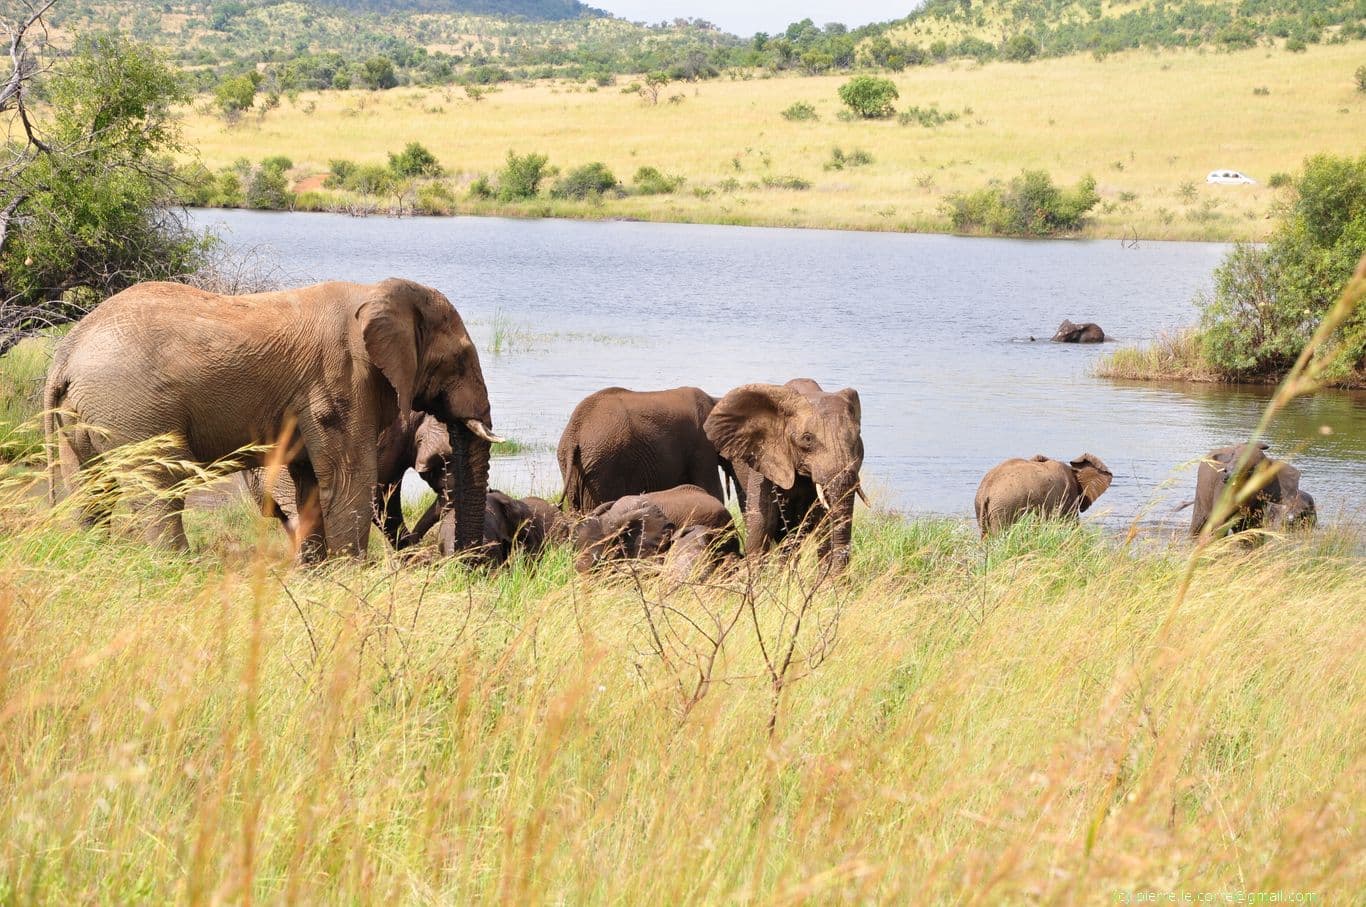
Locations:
(548, 10)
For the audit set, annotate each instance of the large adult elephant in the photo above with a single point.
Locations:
(620, 442)
(319, 372)
(1280, 500)
(1039, 485)
(797, 451)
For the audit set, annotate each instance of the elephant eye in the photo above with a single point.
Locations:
(806, 440)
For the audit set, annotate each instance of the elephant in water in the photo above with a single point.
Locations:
(1068, 332)
(620, 442)
(797, 451)
(528, 524)
(1279, 502)
(319, 372)
(1040, 485)
(645, 525)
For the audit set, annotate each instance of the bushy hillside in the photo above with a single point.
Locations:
(529, 9)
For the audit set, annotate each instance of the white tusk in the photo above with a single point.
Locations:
(820, 494)
(858, 490)
(479, 430)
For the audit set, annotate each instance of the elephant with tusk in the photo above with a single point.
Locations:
(797, 451)
(317, 372)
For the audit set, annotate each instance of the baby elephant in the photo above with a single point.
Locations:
(1279, 503)
(697, 551)
(527, 525)
(1049, 488)
(644, 525)
(1068, 332)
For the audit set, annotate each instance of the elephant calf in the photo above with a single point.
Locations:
(645, 525)
(527, 525)
(1039, 485)
(1278, 503)
(1070, 332)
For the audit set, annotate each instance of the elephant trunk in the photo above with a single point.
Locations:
(839, 502)
(464, 488)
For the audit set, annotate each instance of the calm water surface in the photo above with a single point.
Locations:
(933, 331)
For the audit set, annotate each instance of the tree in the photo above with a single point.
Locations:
(654, 83)
(236, 94)
(521, 178)
(870, 97)
(87, 195)
(378, 74)
(415, 160)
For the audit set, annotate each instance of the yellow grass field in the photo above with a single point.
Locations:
(1142, 123)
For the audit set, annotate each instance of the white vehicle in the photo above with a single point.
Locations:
(1230, 178)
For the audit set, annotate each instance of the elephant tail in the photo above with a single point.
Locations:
(573, 481)
(54, 395)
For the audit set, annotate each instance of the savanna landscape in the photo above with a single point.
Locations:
(333, 566)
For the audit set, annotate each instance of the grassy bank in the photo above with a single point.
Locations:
(1149, 149)
(1029, 720)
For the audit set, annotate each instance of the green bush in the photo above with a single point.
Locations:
(1020, 49)
(588, 181)
(839, 160)
(522, 176)
(268, 189)
(237, 94)
(415, 160)
(339, 171)
(370, 179)
(1280, 180)
(278, 163)
(795, 183)
(1360, 78)
(649, 181)
(483, 188)
(1031, 205)
(869, 97)
(928, 117)
(435, 198)
(1268, 301)
(801, 111)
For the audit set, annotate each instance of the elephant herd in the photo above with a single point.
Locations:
(328, 394)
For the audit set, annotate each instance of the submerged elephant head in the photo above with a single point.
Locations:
(797, 435)
(417, 340)
(630, 527)
(1070, 332)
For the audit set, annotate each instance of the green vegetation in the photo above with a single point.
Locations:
(650, 181)
(587, 181)
(929, 117)
(84, 198)
(800, 111)
(1031, 205)
(1267, 301)
(415, 160)
(839, 159)
(522, 176)
(1360, 78)
(869, 97)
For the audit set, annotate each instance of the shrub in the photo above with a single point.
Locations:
(926, 116)
(415, 160)
(1280, 180)
(378, 74)
(435, 198)
(1020, 49)
(278, 163)
(1267, 301)
(1030, 206)
(268, 189)
(521, 177)
(649, 181)
(801, 111)
(856, 158)
(1296, 45)
(795, 183)
(370, 179)
(1360, 78)
(483, 188)
(339, 171)
(870, 97)
(588, 181)
(236, 94)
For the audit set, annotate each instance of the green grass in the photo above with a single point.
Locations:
(1173, 357)
(22, 371)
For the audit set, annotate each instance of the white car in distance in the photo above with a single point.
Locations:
(1230, 178)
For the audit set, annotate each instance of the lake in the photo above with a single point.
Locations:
(933, 331)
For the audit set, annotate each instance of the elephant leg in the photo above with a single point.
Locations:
(308, 532)
(429, 518)
(346, 496)
(389, 513)
(165, 522)
(95, 493)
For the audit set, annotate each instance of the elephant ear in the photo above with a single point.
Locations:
(749, 425)
(1093, 476)
(850, 396)
(389, 323)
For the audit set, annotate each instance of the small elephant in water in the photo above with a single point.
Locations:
(1279, 502)
(528, 524)
(1040, 485)
(644, 525)
(620, 442)
(1069, 332)
(797, 451)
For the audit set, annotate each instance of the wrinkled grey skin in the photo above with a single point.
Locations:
(790, 445)
(620, 442)
(645, 525)
(1068, 332)
(318, 372)
(1298, 514)
(526, 525)
(696, 553)
(412, 440)
(1039, 485)
(1220, 468)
